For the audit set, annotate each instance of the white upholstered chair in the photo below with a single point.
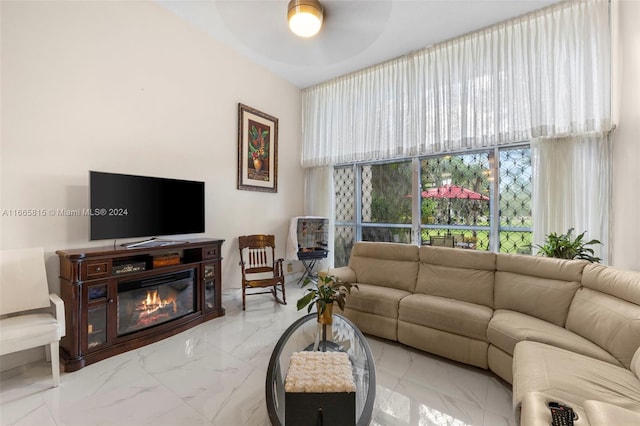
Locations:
(23, 289)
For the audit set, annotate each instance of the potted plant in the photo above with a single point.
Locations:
(564, 247)
(327, 289)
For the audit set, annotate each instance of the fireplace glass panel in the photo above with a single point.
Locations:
(146, 303)
(97, 315)
(96, 326)
(210, 286)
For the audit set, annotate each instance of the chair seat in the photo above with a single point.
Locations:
(267, 282)
(27, 331)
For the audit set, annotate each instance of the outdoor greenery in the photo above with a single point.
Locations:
(467, 171)
(564, 247)
(391, 193)
(386, 198)
(510, 241)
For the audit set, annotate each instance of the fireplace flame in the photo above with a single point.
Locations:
(153, 302)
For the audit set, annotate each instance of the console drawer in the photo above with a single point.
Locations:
(210, 252)
(98, 269)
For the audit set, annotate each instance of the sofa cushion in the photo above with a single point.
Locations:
(622, 284)
(449, 345)
(610, 322)
(543, 267)
(635, 363)
(376, 300)
(373, 324)
(507, 328)
(500, 363)
(538, 286)
(542, 298)
(391, 265)
(571, 377)
(344, 273)
(454, 316)
(466, 275)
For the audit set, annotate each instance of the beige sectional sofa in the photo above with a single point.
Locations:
(558, 330)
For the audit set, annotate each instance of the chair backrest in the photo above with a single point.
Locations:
(257, 252)
(23, 280)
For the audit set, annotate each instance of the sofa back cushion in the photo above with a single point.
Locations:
(606, 312)
(635, 363)
(542, 287)
(622, 284)
(466, 275)
(385, 264)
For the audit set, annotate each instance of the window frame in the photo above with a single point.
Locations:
(416, 227)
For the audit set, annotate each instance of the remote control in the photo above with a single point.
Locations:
(561, 415)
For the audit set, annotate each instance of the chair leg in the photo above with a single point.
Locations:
(244, 296)
(55, 363)
(274, 291)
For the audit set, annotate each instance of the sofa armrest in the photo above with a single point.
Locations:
(535, 411)
(344, 273)
(58, 303)
(602, 413)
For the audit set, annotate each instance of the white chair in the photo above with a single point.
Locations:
(23, 287)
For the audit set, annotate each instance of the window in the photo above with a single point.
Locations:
(385, 194)
(474, 200)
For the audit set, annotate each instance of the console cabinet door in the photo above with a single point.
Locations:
(98, 302)
(209, 280)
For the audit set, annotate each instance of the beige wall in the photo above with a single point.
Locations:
(127, 87)
(626, 152)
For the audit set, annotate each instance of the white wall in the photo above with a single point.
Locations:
(127, 87)
(626, 151)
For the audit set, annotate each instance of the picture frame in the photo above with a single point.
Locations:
(257, 150)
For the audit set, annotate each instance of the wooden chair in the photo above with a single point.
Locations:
(23, 288)
(260, 268)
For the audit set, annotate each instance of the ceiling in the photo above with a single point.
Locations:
(355, 34)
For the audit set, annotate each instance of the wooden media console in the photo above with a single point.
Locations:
(118, 299)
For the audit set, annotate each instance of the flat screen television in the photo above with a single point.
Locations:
(128, 206)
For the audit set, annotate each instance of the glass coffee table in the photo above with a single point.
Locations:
(306, 334)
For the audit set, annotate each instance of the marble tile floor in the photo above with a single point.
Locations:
(214, 374)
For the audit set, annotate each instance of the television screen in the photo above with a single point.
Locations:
(126, 206)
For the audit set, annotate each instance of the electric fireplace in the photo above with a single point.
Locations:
(118, 299)
(148, 302)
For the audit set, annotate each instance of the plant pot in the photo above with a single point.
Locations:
(257, 164)
(327, 316)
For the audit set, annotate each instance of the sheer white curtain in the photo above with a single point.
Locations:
(542, 75)
(572, 188)
(359, 117)
(319, 200)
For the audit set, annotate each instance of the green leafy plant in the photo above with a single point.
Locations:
(564, 247)
(327, 289)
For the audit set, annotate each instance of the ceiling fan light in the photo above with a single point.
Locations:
(305, 17)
